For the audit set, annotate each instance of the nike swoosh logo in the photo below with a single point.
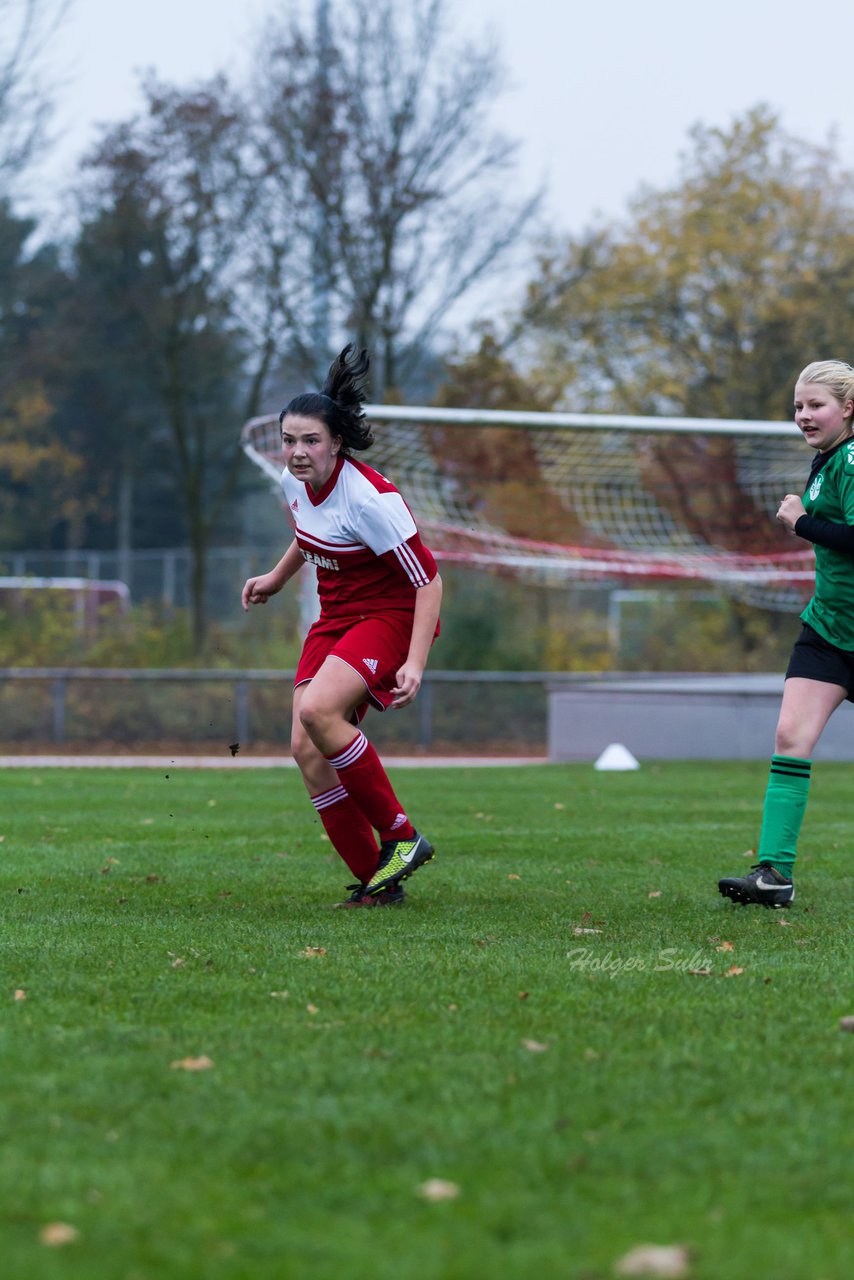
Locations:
(760, 884)
(407, 857)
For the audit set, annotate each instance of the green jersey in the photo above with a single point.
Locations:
(830, 496)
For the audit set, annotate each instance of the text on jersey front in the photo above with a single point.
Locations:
(322, 562)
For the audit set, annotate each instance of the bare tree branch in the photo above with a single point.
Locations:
(26, 29)
(380, 159)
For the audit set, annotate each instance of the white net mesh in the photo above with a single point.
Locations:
(557, 497)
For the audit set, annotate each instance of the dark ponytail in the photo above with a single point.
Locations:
(339, 404)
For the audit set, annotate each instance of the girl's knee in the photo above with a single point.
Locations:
(311, 717)
(792, 739)
(302, 748)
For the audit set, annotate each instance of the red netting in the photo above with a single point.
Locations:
(558, 504)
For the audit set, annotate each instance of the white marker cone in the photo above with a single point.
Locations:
(616, 757)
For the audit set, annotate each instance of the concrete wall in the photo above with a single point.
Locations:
(704, 717)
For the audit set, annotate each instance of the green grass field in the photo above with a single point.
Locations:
(526, 1028)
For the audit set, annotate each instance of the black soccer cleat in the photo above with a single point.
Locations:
(391, 896)
(765, 885)
(398, 860)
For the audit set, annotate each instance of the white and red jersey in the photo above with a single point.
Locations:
(360, 534)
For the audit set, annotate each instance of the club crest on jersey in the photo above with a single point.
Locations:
(295, 505)
(815, 487)
(371, 664)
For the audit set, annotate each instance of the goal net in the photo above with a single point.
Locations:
(556, 497)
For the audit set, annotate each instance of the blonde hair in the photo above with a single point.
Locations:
(836, 375)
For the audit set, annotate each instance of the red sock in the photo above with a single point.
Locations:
(349, 831)
(361, 772)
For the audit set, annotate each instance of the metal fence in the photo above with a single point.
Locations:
(162, 575)
(493, 712)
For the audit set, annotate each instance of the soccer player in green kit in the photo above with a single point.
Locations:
(820, 675)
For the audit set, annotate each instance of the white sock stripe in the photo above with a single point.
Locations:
(351, 754)
(328, 798)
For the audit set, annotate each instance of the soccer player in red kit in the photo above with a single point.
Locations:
(380, 595)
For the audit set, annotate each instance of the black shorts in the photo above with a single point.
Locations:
(814, 658)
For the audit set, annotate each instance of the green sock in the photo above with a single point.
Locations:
(785, 802)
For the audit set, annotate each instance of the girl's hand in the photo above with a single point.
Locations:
(790, 511)
(408, 683)
(258, 590)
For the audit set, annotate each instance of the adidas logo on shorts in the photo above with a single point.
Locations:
(371, 664)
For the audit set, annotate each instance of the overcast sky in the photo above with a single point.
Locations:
(601, 92)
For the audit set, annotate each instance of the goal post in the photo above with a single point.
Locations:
(571, 497)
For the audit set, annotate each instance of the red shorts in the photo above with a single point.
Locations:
(375, 648)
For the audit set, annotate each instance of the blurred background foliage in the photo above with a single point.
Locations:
(221, 245)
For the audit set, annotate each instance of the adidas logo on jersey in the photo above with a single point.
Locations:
(371, 664)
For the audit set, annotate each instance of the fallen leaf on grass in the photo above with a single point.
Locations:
(178, 962)
(313, 951)
(312, 1008)
(204, 1063)
(726, 946)
(666, 1260)
(733, 972)
(523, 995)
(513, 876)
(56, 1234)
(279, 995)
(534, 1046)
(846, 1024)
(656, 893)
(20, 994)
(436, 1189)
